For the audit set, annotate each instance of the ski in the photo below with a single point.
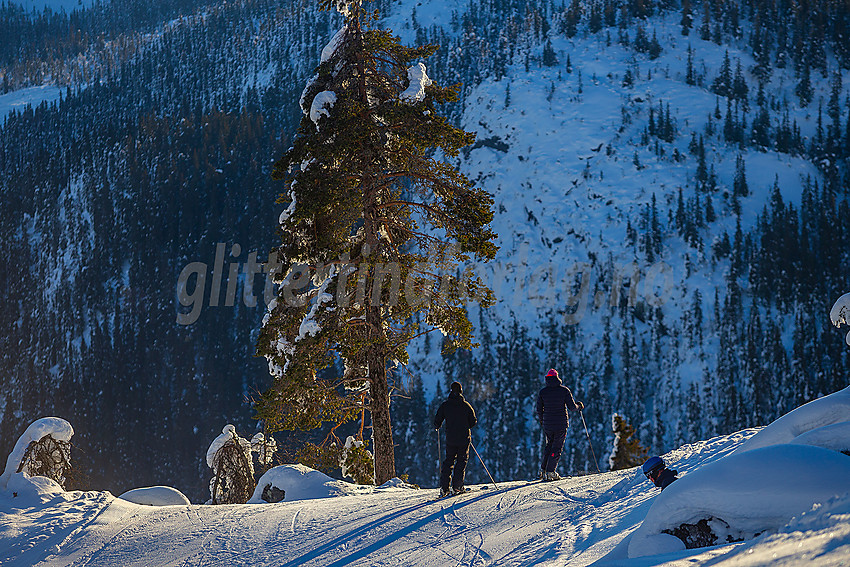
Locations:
(452, 495)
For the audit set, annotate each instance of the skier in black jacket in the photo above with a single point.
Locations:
(460, 418)
(553, 401)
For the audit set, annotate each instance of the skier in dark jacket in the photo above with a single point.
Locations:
(553, 401)
(460, 418)
(656, 470)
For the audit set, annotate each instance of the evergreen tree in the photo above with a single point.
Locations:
(627, 452)
(722, 84)
(804, 89)
(687, 20)
(361, 184)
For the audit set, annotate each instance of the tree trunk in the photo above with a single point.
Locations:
(382, 432)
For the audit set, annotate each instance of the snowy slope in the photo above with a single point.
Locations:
(572, 522)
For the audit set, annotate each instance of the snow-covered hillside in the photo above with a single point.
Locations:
(575, 521)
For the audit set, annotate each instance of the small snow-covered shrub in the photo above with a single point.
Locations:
(357, 462)
(229, 457)
(43, 450)
(264, 448)
(626, 452)
(353, 459)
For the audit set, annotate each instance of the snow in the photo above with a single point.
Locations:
(327, 522)
(329, 50)
(322, 103)
(32, 96)
(156, 496)
(287, 213)
(734, 489)
(57, 427)
(828, 410)
(835, 437)
(227, 433)
(415, 91)
(840, 313)
(302, 483)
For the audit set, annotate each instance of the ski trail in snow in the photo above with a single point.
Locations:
(294, 517)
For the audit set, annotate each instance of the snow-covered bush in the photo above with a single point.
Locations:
(264, 448)
(357, 462)
(229, 457)
(353, 459)
(43, 450)
(840, 313)
(626, 452)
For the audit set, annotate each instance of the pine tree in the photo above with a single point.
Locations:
(687, 20)
(804, 89)
(363, 188)
(690, 74)
(722, 84)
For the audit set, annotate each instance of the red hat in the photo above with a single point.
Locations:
(552, 372)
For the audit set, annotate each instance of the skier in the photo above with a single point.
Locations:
(656, 471)
(553, 401)
(460, 418)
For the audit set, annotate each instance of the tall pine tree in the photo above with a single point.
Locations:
(374, 232)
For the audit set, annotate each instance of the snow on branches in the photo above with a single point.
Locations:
(840, 313)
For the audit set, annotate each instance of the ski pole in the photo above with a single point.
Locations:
(439, 454)
(482, 463)
(592, 452)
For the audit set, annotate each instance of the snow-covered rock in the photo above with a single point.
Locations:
(828, 410)
(57, 427)
(753, 492)
(302, 483)
(156, 496)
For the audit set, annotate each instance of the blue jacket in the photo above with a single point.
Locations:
(553, 401)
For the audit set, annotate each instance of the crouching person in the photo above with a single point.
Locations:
(655, 470)
(460, 418)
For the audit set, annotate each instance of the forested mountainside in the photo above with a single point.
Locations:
(704, 143)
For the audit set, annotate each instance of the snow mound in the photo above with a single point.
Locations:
(753, 492)
(835, 437)
(156, 496)
(29, 491)
(828, 410)
(397, 483)
(60, 429)
(821, 535)
(299, 482)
